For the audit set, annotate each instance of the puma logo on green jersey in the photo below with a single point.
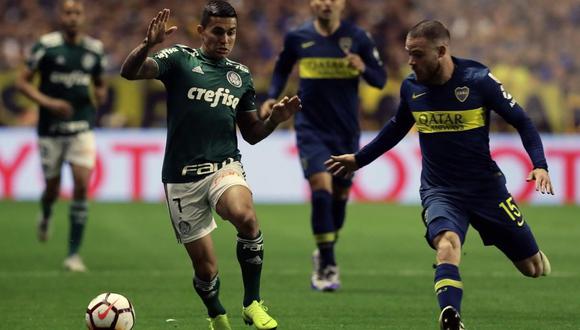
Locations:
(213, 97)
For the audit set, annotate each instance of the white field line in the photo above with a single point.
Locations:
(286, 272)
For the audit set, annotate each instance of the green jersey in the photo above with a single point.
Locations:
(203, 97)
(66, 71)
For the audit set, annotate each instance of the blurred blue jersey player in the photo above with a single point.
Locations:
(331, 55)
(449, 100)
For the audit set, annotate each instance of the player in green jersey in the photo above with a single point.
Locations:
(67, 61)
(207, 95)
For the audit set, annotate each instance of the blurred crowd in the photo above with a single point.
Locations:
(534, 39)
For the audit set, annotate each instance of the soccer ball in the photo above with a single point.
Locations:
(110, 311)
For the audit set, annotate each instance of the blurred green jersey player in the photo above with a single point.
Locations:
(449, 100)
(208, 95)
(67, 61)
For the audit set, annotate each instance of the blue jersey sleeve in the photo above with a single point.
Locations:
(393, 132)
(499, 100)
(283, 68)
(374, 74)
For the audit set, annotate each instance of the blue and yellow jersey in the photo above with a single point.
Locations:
(453, 124)
(328, 85)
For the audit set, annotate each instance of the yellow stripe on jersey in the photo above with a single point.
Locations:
(326, 68)
(448, 282)
(325, 238)
(449, 121)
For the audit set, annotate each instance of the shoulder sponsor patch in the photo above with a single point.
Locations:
(494, 78)
(164, 53)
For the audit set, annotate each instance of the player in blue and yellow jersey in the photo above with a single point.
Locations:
(332, 55)
(68, 63)
(208, 95)
(449, 100)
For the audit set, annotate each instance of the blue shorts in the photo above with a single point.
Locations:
(494, 214)
(315, 150)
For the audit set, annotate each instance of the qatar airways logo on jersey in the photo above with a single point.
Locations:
(70, 79)
(219, 96)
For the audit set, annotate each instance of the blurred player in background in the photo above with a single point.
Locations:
(449, 100)
(331, 55)
(207, 95)
(67, 61)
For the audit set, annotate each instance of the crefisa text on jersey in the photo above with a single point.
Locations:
(213, 97)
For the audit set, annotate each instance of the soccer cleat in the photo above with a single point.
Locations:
(546, 263)
(333, 275)
(256, 314)
(74, 263)
(43, 229)
(449, 319)
(219, 322)
(327, 279)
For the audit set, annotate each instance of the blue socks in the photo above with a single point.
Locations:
(323, 226)
(448, 286)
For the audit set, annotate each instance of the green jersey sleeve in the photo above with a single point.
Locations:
(166, 60)
(248, 100)
(37, 53)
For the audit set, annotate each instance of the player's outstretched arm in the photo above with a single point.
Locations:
(543, 182)
(137, 65)
(266, 109)
(343, 165)
(254, 129)
(100, 90)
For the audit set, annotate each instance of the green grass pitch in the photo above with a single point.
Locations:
(386, 269)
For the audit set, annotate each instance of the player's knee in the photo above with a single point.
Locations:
(50, 195)
(531, 272)
(340, 193)
(206, 272)
(80, 193)
(244, 217)
(51, 191)
(532, 268)
(80, 189)
(448, 247)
